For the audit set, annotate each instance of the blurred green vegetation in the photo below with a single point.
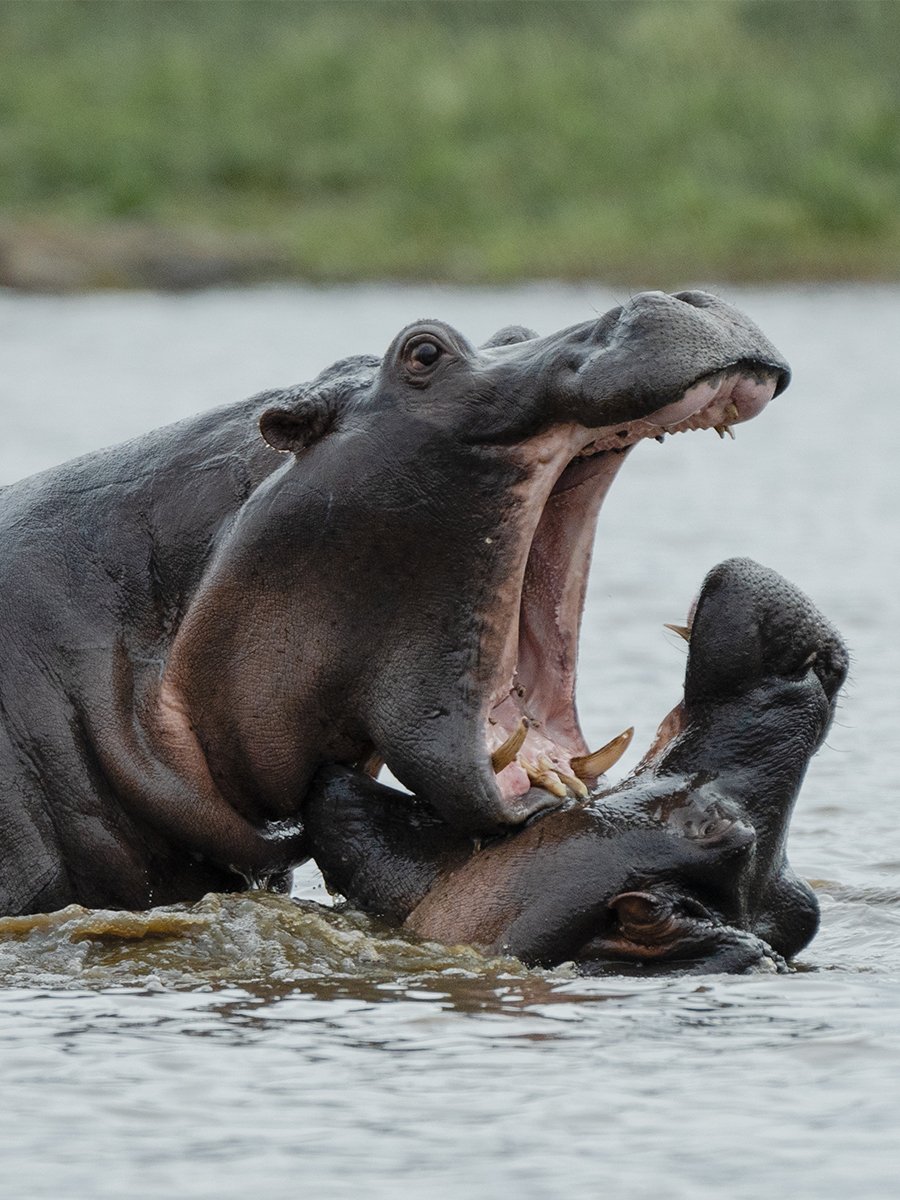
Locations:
(632, 139)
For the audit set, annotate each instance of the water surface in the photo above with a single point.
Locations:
(248, 1045)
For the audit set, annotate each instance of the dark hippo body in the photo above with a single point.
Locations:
(193, 623)
(100, 559)
(681, 866)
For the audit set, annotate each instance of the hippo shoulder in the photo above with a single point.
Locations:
(109, 523)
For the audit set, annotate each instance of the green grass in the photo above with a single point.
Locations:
(638, 139)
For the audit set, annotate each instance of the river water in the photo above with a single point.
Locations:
(252, 1046)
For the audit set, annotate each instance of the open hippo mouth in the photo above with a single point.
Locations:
(474, 552)
(532, 733)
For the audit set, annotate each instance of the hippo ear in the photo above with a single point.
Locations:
(294, 428)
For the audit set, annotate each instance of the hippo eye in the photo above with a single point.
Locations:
(422, 356)
(641, 914)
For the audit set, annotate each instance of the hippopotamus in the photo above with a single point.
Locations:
(681, 866)
(198, 620)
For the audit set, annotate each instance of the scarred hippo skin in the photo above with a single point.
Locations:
(682, 866)
(193, 623)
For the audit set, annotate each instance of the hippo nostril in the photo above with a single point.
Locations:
(695, 299)
(831, 666)
(828, 664)
(808, 662)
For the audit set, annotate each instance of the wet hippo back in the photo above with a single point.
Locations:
(98, 561)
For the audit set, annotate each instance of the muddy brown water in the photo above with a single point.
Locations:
(253, 1045)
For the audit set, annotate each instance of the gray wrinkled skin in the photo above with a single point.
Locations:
(682, 866)
(193, 623)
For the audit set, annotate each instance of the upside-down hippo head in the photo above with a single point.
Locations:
(680, 866)
(408, 587)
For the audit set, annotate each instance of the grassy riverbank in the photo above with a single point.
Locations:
(648, 140)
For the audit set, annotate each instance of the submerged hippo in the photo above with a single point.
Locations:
(682, 865)
(194, 624)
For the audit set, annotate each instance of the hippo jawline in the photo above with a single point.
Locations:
(532, 733)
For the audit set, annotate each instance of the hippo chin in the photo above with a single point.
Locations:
(681, 866)
(194, 624)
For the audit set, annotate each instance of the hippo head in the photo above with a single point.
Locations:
(682, 865)
(408, 587)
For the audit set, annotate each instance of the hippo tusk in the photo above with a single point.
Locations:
(505, 754)
(371, 765)
(592, 765)
(683, 631)
(730, 415)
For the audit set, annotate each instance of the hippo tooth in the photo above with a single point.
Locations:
(592, 765)
(731, 412)
(505, 754)
(547, 767)
(721, 430)
(548, 780)
(683, 631)
(371, 765)
(574, 784)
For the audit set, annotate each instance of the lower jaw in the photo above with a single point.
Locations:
(543, 763)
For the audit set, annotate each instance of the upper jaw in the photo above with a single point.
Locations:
(659, 344)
